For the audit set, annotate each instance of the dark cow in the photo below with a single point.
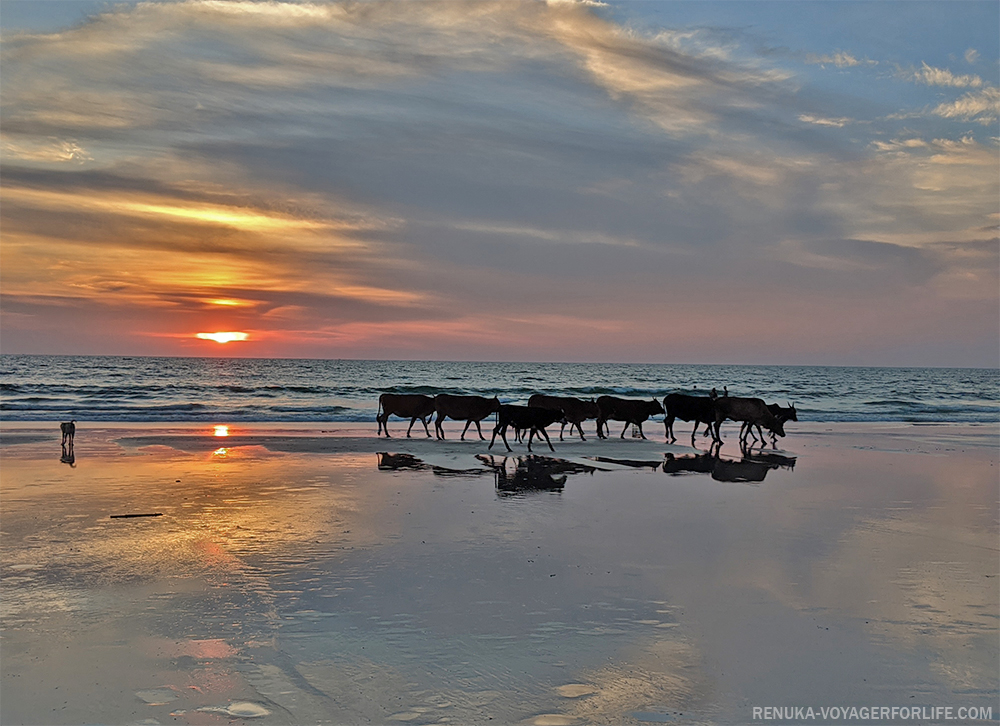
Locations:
(405, 405)
(463, 408)
(629, 410)
(783, 414)
(532, 418)
(700, 409)
(575, 411)
(745, 410)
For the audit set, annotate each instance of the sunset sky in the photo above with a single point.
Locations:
(676, 182)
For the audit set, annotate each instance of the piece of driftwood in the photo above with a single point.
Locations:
(129, 516)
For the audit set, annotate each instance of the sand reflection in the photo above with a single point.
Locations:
(436, 583)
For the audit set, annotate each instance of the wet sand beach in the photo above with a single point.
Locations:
(316, 574)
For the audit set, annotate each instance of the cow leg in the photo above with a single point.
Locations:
(641, 435)
(563, 428)
(438, 430)
(579, 426)
(503, 435)
(625, 429)
(495, 430)
(410, 427)
(467, 424)
(547, 441)
(531, 434)
(382, 423)
(480, 430)
(424, 422)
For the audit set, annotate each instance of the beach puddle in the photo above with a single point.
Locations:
(238, 709)
(575, 690)
(157, 696)
(551, 719)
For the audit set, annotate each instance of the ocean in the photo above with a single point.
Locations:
(144, 389)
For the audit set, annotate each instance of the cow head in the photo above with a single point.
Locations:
(792, 415)
(777, 427)
(494, 405)
(655, 407)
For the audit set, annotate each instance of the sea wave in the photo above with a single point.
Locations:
(51, 388)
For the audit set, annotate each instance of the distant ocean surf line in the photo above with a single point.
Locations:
(143, 389)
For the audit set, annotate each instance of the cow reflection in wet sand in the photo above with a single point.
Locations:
(394, 462)
(531, 473)
(753, 467)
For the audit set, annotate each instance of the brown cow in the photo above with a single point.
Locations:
(752, 411)
(629, 410)
(404, 405)
(575, 411)
(463, 408)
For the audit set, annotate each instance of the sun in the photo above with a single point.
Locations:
(223, 337)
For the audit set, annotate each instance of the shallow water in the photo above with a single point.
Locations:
(321, 588)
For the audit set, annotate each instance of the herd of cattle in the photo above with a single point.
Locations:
(543, 411)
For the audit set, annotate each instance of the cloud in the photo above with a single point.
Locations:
(821, 121)
(452, 173)
(971, 56)
(982, 107)
(840, 59)
(943, 77)
(46, 150)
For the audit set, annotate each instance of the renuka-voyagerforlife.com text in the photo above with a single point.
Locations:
(873, 713)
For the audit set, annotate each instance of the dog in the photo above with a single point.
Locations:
(68, 432)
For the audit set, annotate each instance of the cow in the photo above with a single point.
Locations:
(533, 418)
(787, 413)
(745, 410)
(68, 430)
(700, 409)
(405, 405)
(463, 408)
(575, 411)
(629, 410)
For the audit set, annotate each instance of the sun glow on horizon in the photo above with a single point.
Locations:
(221, 430)
(227, 337)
